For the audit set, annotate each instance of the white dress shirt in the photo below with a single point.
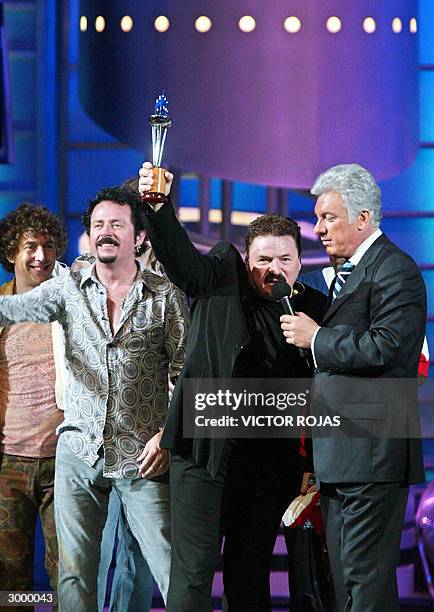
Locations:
(354, 259)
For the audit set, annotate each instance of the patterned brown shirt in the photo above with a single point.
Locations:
(117, 393)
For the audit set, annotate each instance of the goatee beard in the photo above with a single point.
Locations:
(107, 259)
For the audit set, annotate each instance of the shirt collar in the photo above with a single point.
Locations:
(362, 248)
(88, 275)
(328, 274)
(60, 268)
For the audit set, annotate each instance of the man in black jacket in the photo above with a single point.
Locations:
(236, 488)
(372, 331)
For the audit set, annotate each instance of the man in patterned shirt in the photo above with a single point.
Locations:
(125, 330)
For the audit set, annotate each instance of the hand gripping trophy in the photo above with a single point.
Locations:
(160, 122)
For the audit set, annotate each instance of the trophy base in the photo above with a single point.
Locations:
(156, 195)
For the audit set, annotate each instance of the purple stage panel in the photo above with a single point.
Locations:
(266, 106)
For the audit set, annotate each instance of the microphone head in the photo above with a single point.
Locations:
(281, 290)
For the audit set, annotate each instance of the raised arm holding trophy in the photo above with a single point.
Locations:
(219, 486)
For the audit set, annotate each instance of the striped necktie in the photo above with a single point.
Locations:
(341, 277)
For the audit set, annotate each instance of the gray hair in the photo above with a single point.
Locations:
(357, 188)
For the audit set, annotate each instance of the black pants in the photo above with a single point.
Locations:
(363, 525)
(244, 503)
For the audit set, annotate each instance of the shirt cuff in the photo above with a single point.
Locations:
(312, 346)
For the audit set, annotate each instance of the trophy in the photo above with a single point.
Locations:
(160, 122)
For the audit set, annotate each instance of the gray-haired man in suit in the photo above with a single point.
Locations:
(374, 327)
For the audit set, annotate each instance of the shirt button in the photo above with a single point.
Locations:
(239, 346)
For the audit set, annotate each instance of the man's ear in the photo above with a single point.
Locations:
(140, 238)
(364, 219)
(11, 259)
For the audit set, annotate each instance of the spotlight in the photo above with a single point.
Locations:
(100, 24)
(247, 23)
(161, 23)
(83, 23)
(203, 24)
(292, 25)
(413, 25)
(126, 23)
(369, 25)
(396, 25)
(333, 25)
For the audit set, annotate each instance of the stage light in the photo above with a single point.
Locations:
(161, 23)
(369, 25)
(83, 23)
(100, 24)
(247, 23)
(333, 25)
(126, 23)
(413, 25)
(292, 25)
(203, 24)
(396, 25)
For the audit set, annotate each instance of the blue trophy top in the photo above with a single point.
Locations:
(160, 117)
(161, 107)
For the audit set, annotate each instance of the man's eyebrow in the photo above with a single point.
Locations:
(271, 256)
(32, 242)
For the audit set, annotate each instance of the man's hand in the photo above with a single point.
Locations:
(153, 460)
(298, 329)
(146, 178)
(307, 487)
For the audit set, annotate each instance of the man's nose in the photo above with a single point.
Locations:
(40, 253)
(275, 266)
(319, 228)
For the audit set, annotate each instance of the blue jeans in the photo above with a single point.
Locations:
(81, 496)
(132, 585)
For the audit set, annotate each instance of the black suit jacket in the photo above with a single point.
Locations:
(373, 330)
(218, 330)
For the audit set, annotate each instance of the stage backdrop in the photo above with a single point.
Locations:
(265, 106)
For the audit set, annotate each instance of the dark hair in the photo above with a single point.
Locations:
(124, 197)
(273, 225)
(29, 218)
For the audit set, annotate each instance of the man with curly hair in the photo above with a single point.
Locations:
(31, 238)
(125, 331)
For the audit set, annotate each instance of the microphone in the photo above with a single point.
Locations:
(283, 292)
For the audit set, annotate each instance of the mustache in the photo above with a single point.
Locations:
(107, 240)
(274, 278)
